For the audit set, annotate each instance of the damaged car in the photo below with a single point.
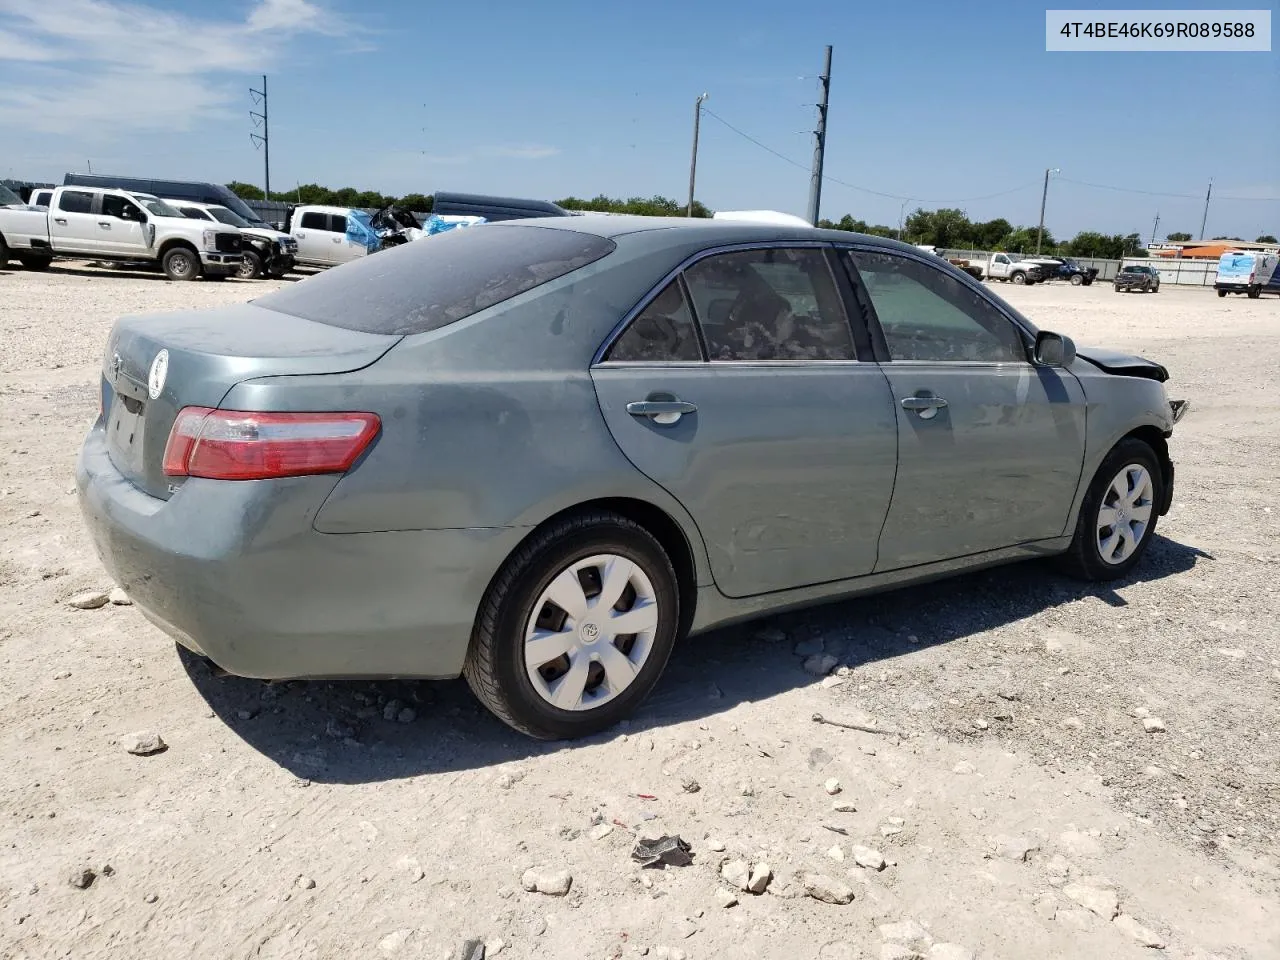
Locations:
(267, 252)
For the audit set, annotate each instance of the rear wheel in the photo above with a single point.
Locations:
(181, 263)
(576, 628)
(36, 263)
(4, 253)
(1255, 293)
(1222, 293)
(1119, 514)
(250, 267)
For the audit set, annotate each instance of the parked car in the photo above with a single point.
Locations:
(1012, 268)
(1251, 272)
(539, 453)
(1137, 276)
(187, 190)
(116, 225)
(1071, 271)
(267, 252)
(325, 235)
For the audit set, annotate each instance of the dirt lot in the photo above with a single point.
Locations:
(1025, 806)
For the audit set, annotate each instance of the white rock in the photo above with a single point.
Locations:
(737, 872)
(89, 601)
(1079, 844)
(306, 883)
(827, 889)
(1013, 848)
(1153, 725)
(820, 665)
(553, 883)
(868, 857)
(726, 898)
(1144, 935)
(949, 951)
(600, 831)
(119, 598)
(1140, 713)
(1103, 902)
(143, 743)
(394, 941)
(964, 767)
(761, 874)
(981, 724)
(1072, 723)
(715, 846)
(832, 786)
(835, 853)
(494, 947)
(907, 932)
(844, 806)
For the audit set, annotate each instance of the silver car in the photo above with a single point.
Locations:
(539, 453)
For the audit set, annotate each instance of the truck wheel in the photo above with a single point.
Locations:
(250, 267)
(1222, 293)
(36, 263)
(4, 253)
(1255, 293)
(180, 263)
(1018, 278)
(1076, 279)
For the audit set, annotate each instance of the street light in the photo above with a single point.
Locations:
(693, 163)
(1044, 197)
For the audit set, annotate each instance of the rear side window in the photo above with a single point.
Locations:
(314, 221)
(664, 331)
(435, 281)
(74, 201)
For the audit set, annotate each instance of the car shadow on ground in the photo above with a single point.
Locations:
(346, 731)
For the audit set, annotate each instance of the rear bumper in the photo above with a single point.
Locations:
(235, 571)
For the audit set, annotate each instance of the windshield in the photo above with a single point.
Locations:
(157, 206)
(7, 196)
(228, 217)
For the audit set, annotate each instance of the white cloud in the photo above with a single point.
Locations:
(110, 66)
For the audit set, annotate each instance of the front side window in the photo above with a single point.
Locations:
(664, 331)
(927, 314)
(337, 223)
(75, 201)
(771, 304)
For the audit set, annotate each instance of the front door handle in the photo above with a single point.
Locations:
(665, 412)
(61, 220)
(104, 224)
(926, 407)
(337, 239)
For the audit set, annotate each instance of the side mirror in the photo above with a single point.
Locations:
(1054, 350)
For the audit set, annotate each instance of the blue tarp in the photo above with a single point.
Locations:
(360, 230)
(437, 224)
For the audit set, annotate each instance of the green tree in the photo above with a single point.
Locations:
(245, 191)
(655, 206)
(416, 202)
(1023, 240)
(1178, 237)
(1266, 238)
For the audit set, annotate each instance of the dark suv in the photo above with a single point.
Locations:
(1138, 276)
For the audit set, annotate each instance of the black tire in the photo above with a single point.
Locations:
(4, 253)
(1020, 278)
(216, 277)
(1083, 559)
(1156, 288)
(1254, 293)
(1076, 279)
(181, 263)
(1222, 293)
(35, 263)
(250, 267)
(495, 667)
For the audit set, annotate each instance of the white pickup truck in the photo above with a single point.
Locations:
(1013, 268)
(93, 223)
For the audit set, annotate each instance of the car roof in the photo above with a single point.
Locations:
(322, 208)
(700, 230)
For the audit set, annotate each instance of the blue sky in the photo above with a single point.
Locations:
(940, 102)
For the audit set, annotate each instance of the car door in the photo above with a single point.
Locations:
(990, 446)
(120, 223)
(73, 225)
(738, 388)
(343, 247)
(313, 235)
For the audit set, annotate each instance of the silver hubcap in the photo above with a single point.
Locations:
(1125, 514)
(591, 632)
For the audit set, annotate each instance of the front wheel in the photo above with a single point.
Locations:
(1019, 278)
(1222, 293)
(250, 267)
(1076, 279)
(1255, 293)
(36, 264)
(1119, 514)
(576, 628)
(181, 264)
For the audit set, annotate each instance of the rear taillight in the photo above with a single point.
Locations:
(240, 445)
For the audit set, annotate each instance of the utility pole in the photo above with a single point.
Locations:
(820, 142)
(902, 211)
(1154, 227)
(1205, 218)
(262, 140)
(1044, 197)
(693, 162)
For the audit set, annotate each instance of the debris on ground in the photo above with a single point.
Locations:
(82, 877)
(864, 727)
(143, 743)
(553, 883)
(665, 851)
(89, 601)
(119, 598)
(827, 889)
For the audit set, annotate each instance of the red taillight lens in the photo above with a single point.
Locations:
(241, 445)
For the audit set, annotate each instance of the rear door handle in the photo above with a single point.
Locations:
(926, 407)
(104, 224)
(661, 411)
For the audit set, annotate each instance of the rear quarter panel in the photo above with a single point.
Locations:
(492, 421)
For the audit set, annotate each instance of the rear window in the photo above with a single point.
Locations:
(435, 281)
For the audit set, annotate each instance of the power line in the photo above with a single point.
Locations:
(989, 196)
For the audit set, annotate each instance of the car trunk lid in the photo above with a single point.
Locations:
(156, 365)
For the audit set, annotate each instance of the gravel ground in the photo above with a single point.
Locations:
(1024, 812)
